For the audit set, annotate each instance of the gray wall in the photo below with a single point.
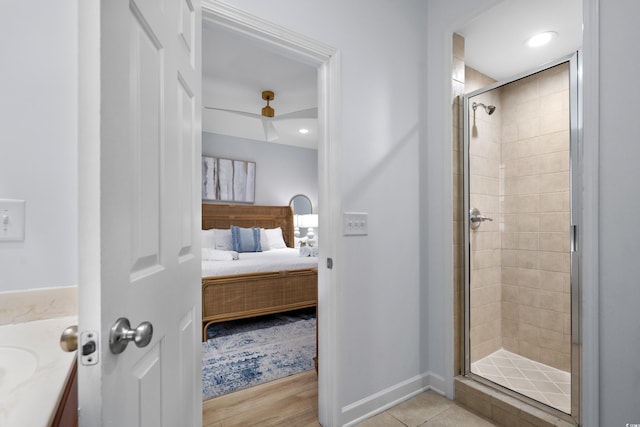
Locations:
(282, 171)
(619, 202)
(38, 141)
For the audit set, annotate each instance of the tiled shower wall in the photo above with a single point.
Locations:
(520, 292)
(536, 317)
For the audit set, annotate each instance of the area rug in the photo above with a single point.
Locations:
(245, 353)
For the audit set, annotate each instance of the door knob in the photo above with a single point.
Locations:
(121, 334)
(69, 339)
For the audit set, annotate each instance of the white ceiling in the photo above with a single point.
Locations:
(237, 69)
(495, 40)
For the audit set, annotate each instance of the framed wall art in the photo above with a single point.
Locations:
(228, 180)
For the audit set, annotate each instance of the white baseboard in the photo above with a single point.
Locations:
(381, 401)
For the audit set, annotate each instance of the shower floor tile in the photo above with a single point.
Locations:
(536, 380)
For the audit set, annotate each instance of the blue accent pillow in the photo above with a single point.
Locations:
(245, 239)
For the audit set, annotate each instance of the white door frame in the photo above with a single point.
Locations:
(326, 59)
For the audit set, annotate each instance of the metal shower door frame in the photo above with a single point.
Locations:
(575, 130)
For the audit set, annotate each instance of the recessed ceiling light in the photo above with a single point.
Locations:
(541, 39)
(303, 131)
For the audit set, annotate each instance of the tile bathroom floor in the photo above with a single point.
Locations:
(427, 409)
(536, 380)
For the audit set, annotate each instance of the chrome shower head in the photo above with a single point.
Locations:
(488, 108)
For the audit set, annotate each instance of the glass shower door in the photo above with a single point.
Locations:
(518, 223)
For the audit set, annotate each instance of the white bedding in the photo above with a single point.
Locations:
(259, 262)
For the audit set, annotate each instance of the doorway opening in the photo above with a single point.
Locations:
(521, 305)
(324, 59)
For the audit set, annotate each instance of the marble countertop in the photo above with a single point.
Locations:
(35, 371)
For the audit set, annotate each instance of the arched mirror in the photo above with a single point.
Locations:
(303, 220)
(301, 205)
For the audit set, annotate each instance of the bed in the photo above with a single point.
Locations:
(247, 293)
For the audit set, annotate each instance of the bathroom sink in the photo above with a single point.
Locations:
(16, 366)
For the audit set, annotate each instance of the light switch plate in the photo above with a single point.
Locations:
(11, 220)
(355, 223)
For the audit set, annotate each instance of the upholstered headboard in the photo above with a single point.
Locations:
(224, 216)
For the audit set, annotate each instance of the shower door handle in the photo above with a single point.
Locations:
(475, 218)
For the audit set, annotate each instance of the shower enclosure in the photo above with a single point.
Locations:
(521, 288)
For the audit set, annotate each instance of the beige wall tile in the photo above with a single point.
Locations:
(528, 222)
(554, 122)
(527, 91)
(529, 184)
(553, 102)
(554, 81)
(529, 334)
(510, 241)
(554, 261)
(458, 46)
(555, 241)
(554, 162)
(458, 69)
(552, 320)
(529, 297)
(528, 146)
(509, 275)
(553, 142)
(528, 165)
(554, 222)
(528, 241)
(529, 260)
(528, 278)
(552, 280)
(510, 293)
(527, 109)
(554, 182)
(529, 315)
(553, 340)
(510, 203)
(552, 202)
(528, 128)
(529, 203)
(551, 300)
(510, 310)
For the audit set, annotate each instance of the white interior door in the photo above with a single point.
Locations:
(139, 151)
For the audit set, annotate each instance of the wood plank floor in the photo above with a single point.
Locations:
(290, 401)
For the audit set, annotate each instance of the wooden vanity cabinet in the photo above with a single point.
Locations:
(67, 411)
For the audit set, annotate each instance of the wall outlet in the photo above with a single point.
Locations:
(11, 220)
(355, 223)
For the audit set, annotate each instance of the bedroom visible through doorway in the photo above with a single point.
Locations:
(322, 59)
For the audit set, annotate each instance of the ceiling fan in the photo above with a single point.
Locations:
(267, 115)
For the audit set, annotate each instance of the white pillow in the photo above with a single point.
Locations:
(264, 240)
(206, 236)
(222, 239)
(276, 241)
